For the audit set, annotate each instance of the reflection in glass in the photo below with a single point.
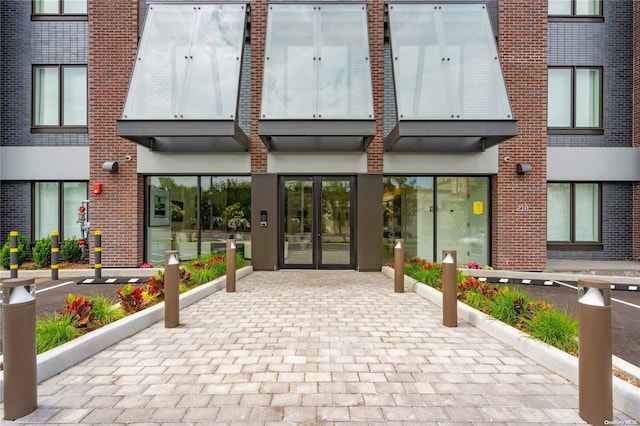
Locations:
(46, 207)
(336, 222)
(298, 222)
(587, 212)
(202, 213)
(558, 212)
(587, 97)
(445, 63)
(317, 63)
(450, 211)
(73, 194)
(559, 97)
(188, 63)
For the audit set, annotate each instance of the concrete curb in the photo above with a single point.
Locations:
(71, 353)
(626, 397)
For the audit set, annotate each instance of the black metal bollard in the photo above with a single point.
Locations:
(19, 343)
(449, 290)
(98, 254)
(55, 249)
(231, 266)
(398, 266)
(13, 253)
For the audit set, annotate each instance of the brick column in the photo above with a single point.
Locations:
(376, 53)
(118, 211)
(636, 125)
(519, 202)
(258, 36)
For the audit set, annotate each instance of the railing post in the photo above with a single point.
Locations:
(55, 249)
(231, 266)
(398, 266)
(98, 254)
(449, 290)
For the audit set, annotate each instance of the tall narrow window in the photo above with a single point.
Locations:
(56, 208)
(575, 8)
(573, 213)
(574, 99)
(60, 96)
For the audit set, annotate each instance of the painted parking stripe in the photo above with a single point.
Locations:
(54, 286)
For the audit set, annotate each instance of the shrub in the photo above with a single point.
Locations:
(42, 252)
(5, 253)
(105, 311)
(81, 312)
(71, 250)
(207, 269)
(508, 305)
(155, 285)
(132, 299)
(54, 330)
(425, 272)
(554, 327)
(476, 300)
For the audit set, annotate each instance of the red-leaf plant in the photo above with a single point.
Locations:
(132, 298)
(79, 310)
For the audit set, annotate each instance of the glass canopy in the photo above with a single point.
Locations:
(187, 69)
(449, 88)
(317, 78)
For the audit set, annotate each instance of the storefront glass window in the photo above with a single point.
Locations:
(437, 213)
(196, 215)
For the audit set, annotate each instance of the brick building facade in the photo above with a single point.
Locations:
(546, 191)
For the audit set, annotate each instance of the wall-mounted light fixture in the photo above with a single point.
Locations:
(110, 166)
(523, 168)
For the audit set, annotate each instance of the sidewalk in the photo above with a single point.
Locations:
(317, 347)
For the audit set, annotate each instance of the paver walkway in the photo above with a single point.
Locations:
(318, 347)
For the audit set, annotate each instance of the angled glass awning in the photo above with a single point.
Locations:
(184, 89)
(449, 89)
(317, 93)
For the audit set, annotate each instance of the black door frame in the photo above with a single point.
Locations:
(316, 232)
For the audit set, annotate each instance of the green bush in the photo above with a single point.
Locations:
(104, 309)
(53, 330)
(508, 305)
(71, 250)
(5, 253)
(42, 252)
(554, 327)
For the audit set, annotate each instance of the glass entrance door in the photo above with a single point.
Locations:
(316, 217)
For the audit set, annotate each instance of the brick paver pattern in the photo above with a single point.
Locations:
(317, 347)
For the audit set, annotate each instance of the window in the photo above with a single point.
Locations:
(575, 8)
(59, 7)
(574, 100)
(573, 213)
(56, 208)
(60, 97)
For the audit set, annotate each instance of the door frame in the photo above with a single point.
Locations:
(316, 232)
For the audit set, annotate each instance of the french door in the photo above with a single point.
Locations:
(316, 222)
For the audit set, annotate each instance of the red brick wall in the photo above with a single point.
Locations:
(636, 125)
(117, 212)
(519, 202)
(376, 50)
(258, 35)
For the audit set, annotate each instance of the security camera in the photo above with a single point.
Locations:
(507, 159)
(127, 158)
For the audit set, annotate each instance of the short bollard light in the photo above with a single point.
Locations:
(231, 266)
(398, 266)
(595, 381)
(171, 290)
(449, 291)
(19, 343)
